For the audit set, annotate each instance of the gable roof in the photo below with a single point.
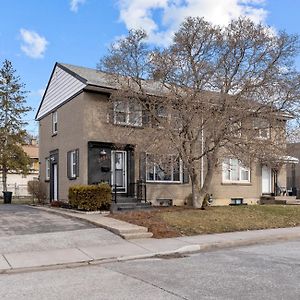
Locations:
(67, 80)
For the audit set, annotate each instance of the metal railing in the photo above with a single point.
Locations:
(137, 190)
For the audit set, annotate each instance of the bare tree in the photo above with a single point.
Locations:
(213, 93)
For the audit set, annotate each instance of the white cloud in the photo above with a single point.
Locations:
(161, 18)
(74, 4)
(33, 44)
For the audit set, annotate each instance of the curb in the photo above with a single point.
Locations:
(178, 253)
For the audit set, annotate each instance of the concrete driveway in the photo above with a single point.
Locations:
(22, 219)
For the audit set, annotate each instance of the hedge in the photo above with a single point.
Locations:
(90, 197)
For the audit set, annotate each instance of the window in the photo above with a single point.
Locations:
(234, 171)
(262, 128)
(54, 122)
(167, 169)
(162, 116)
(235, 128)
(127, 113)
(73, 164)
(47, 162)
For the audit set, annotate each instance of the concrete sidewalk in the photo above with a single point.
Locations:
(125, 230)
(138, 249)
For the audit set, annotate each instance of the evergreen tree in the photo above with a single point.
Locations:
(12, 132)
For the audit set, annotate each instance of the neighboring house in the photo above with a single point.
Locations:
(77, 146)
(293, 170)
(17, 182)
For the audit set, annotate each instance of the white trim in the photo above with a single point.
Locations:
(128, 112)
(73, 164)
(54, 122)
(240, 169)
(269, 179)
(120, 189)
(164, 181)
(55, 182)
(47, 168)
(61, 87)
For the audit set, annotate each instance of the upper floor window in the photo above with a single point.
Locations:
(167, 169)
(235, 128)
(54, 122)
(235, 171)
(262, 128)
(128, 113)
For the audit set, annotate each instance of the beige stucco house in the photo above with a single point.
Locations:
(77, 146)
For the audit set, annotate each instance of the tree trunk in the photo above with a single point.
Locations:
(197, 203)
(198, 192)
(4, 179)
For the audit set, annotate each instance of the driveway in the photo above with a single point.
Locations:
(22, 219)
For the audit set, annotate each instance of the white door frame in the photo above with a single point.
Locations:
(55, 182)
(123, 167)
(266, 179)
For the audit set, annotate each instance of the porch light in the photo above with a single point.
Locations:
(103, 152)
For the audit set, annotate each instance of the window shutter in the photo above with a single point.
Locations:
(69, 164)
(77, 162)
(185, 175)
(142, 175)
(110, 112)
(145, 118)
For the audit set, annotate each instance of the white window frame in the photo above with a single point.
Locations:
(156, 166)
(235, 129)
(258, 125)
(47, 168)
(54, 122)
(73, 164)
(138, 122)
(240, 169)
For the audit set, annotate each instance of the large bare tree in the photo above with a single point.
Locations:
(214, 92)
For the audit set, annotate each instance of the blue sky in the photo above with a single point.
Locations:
(35, 34)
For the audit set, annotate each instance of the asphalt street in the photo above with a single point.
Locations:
(256, 272)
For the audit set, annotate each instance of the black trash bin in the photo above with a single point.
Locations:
(7, 197)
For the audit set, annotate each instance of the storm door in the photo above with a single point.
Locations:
(119, 170)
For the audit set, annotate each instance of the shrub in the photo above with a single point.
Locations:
(37, 190)
(90, 197)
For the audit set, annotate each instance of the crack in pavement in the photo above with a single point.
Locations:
(148, 283)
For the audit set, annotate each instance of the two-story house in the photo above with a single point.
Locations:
(78, 146)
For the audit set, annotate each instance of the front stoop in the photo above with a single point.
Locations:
(128, 203)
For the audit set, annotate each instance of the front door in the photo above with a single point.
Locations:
(266, 175)
(119, 170)
(55, 182)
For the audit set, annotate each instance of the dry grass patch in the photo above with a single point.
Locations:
(175, 221)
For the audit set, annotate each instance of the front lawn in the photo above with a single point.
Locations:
(180, 221)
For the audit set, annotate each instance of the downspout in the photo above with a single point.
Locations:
(202, 158)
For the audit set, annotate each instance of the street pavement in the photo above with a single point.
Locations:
(80, 243)
(269, 271)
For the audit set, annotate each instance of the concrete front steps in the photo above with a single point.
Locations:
(128, 203)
